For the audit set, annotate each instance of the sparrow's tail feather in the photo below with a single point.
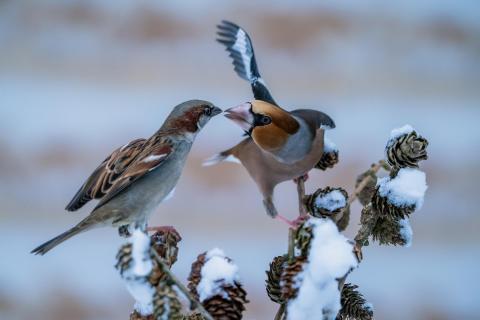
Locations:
(226, 155)
(49, 245)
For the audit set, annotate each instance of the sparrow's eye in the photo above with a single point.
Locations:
(207, 111)
(266, 120)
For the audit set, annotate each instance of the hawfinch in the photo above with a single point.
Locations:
(281, 145)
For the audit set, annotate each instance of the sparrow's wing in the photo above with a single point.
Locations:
(239, 45)
(314, 119)
(155, 152)
(105, 175)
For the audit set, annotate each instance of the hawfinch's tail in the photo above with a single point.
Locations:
(226, 155)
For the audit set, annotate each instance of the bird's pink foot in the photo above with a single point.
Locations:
(163, 229)
(304, 177)
(294, 224)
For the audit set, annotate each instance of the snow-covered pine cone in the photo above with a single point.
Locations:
(230, 302)
(328, 160)
(166, 304)
(326, 202)
(137, 316)
(392, 231)
(407, 150)
(354, 305)
(166, 245)
(274, 276)
(124, 258)
(384, 207)
(288, 280)
(366, 194)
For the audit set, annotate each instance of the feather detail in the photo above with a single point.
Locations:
(240, 48)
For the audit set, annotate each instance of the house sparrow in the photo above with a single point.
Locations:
(137, 177)
(281, 145)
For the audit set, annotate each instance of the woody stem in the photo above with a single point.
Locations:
(194, 303)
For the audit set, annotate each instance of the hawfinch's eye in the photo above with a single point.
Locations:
(207, 111)
(266, 120)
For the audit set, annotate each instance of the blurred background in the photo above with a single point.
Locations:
(80, 78)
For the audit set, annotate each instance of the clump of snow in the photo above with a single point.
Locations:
(331, 201)
(142, 263)
(329, 146)
(217, 272)
(142, 292)
(330, 258)
(406, 189)
(406, 232)
(136, 277)
(398, 132)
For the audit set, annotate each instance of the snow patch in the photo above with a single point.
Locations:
(142, 263)
(331, 201)
(329, 146)
(406, 232)
(330, 257)
(136, 276)
(406, 189)
(216, 273)
(398, 132)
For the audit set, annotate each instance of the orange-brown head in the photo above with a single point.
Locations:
(269, 125)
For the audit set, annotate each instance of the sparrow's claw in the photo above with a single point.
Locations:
(294, 224)
(304, 177)
(124, 231)
(164, 229)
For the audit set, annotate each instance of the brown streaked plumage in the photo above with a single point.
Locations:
(137, 177)
(282, 145)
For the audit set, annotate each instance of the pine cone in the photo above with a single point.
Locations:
(319, 206)
(166, 304)
(387, 231)
(328, 160)
(194, 316)
(218, 306)
(368, 219)
(165, 242)
(384, 208)
(354, 306)
(124, 258)
(407, 150)
(342, 223)
(137, 316)
(196, 274)
(288, 280)
(230, 308)
(274, 275)
(366, 194)
(303, 236)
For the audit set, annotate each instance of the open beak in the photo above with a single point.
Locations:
(241, 115)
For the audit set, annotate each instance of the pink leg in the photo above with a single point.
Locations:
(294, 224)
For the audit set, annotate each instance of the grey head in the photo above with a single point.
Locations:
(190, 116)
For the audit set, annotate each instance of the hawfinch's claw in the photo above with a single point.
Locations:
(293, 224)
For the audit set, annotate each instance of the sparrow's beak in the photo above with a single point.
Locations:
(216, 111)
(241, 115)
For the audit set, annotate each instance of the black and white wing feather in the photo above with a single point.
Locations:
(239, 45)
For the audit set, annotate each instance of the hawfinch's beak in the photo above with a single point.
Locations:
(216, 111)
(241, 115)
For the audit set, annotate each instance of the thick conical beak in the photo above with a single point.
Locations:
(241, 115)
(216, 111)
